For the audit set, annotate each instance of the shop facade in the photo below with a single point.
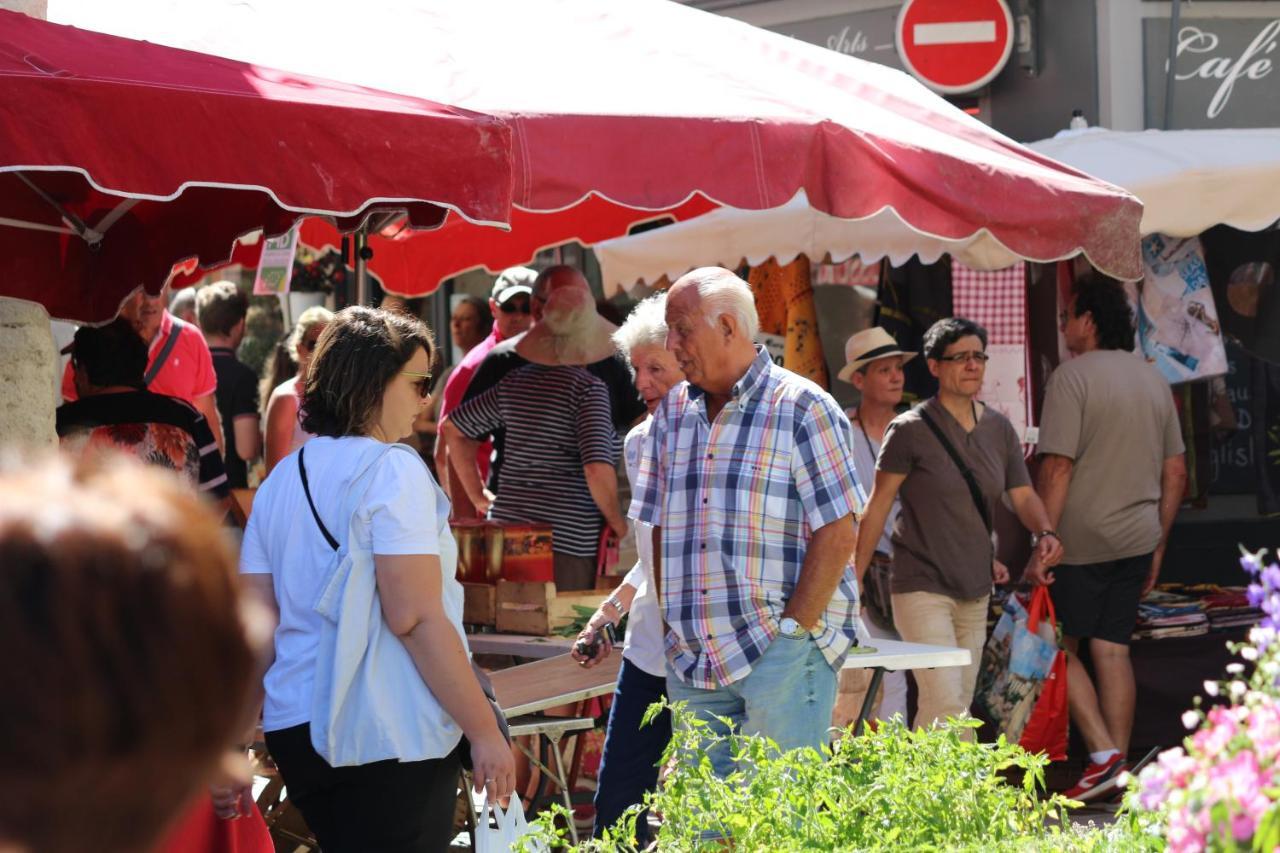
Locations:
(1106, 58)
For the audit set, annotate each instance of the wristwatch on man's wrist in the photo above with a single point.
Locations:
(1041, 534)
(789, 626)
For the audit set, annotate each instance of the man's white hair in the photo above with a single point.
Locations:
(722, 292)
(646, 325)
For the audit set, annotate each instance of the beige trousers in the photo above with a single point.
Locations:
(940, 620)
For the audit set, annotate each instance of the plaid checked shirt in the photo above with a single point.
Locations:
(737, 501)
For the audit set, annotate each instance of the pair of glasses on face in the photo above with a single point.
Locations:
(511, 306)
(422, 383)
(964, 357)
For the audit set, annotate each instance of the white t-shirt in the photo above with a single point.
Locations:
(644, 647)
(403, 512)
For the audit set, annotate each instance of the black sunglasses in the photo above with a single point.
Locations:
(422, 382)
(511, 307)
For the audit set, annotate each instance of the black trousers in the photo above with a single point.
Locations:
(384, 807)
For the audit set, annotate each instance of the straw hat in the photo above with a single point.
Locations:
(867, 346)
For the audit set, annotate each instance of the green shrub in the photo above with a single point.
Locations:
(892, 789)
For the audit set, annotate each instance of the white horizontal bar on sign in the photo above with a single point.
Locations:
(955, 32)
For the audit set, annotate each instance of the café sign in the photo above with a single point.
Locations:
(1225, 72)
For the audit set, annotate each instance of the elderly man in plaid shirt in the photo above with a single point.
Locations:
(748, 480)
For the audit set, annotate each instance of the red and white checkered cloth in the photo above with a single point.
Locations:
(995, 300)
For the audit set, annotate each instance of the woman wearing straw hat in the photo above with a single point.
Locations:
(873, 365)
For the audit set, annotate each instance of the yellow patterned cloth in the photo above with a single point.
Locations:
(784, 300)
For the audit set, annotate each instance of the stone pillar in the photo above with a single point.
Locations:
(28, 358)
(28, 376)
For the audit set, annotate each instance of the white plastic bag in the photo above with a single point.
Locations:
(510, 827)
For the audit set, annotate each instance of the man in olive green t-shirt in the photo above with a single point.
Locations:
(1111, 476)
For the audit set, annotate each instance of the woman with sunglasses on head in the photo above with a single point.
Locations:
(949, 460)
(283, 432)
(354, 490)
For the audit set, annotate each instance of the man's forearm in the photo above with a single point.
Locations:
(462, 455)
(827, 557)
(1030, 510)
(602, 482)
(1052, 482)
(1173, 482)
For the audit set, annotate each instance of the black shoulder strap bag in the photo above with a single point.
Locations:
(970, 480)
(481, 676)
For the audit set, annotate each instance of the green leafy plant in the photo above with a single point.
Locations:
(891, 789)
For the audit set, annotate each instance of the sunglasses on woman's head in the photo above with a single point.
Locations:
(423, 382)
(511, 306)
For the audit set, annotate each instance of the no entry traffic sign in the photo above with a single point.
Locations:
(955, 46)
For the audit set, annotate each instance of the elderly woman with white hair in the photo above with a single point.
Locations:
(283, 432)
(629, 767)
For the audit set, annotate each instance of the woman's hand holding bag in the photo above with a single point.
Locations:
(493, 767)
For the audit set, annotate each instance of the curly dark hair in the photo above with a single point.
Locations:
(357, 356)
(946, 332)
(1104, 298)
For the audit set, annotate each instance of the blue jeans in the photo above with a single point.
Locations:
(787, 696)
(629, 765)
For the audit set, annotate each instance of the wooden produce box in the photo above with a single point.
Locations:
(536, 608)
(479, 604)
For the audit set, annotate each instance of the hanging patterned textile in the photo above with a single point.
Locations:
(997, 301)
(1178, 328)
(784, 300)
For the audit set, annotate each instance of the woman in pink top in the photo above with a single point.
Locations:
(284, 433)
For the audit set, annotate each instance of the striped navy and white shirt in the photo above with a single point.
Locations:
(738, 501)
(557, 419)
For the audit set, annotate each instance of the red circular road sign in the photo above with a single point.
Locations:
(955, 46)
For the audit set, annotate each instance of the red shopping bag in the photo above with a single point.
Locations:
(1046, 729)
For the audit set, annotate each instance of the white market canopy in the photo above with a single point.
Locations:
(1187, 180)
(728, 237)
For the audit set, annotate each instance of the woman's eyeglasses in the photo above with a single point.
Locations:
(308, 344)
(962, 357)
(423, 383)
(511, 306)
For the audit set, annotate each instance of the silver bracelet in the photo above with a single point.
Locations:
(616, 604)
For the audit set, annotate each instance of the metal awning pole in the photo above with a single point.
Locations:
(362, 264)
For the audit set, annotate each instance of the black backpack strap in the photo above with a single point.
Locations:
(175, 331)
(302, 469)
(970, 480)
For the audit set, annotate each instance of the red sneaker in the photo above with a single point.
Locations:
(1098, 780)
